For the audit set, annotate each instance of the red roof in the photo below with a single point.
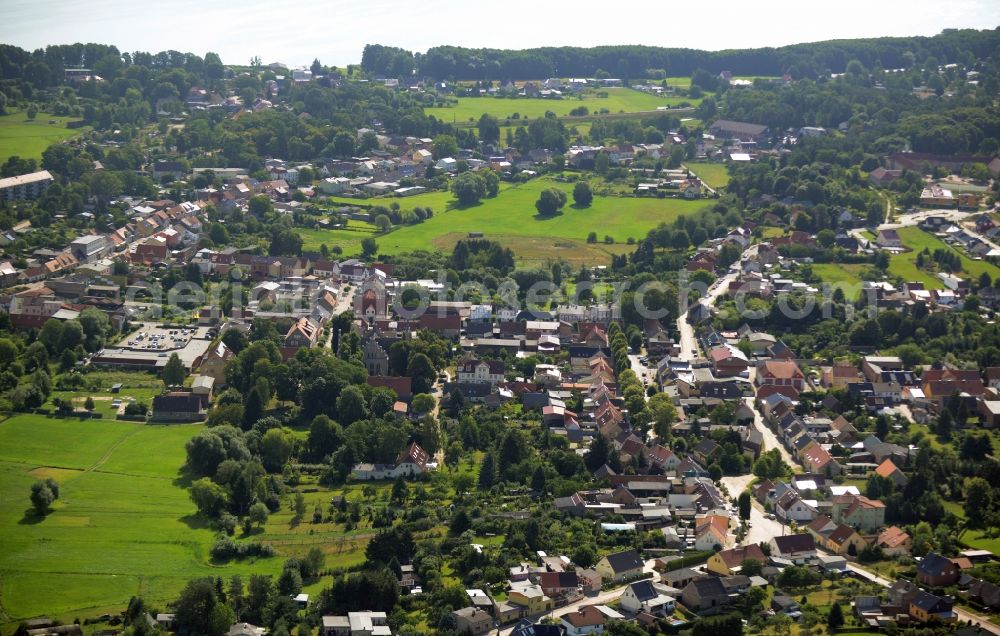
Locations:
(736, 556)
(401, 385)
(886, 468)
(770, 389)
(893, 537)
(780, 369)
(414, 454)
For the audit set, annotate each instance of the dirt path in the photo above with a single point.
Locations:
(111, 449)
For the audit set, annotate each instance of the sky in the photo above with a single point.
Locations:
(335, 31)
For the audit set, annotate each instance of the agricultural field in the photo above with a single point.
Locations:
(511, 219)
(619, 100)
(25, 138)
(904, 265)
(123, 524)
(714, 174)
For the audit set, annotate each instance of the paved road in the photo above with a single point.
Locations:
(688, 343)
(646, 375)
(770, 439)
(908, 220)
(761, 529)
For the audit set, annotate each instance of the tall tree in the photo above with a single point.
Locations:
(583, 196)
(487, 472)
(199, 610)
(174, 371)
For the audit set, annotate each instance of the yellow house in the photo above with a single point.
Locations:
(531, 597)
(845, 540)
(620, 566)
(729, 562)
(836, 537)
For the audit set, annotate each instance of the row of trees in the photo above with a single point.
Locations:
(799, 60)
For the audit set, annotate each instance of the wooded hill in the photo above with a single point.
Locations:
(808, 60)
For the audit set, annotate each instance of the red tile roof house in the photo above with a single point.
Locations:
(780, 373)
(894, 542)
(728, 360)
(445, 326)
(402, 386)
(557, 584)
(816, 459)
(890, 471)
(586, 620)
(859, 512)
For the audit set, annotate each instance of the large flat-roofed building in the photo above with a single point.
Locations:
(25, 186)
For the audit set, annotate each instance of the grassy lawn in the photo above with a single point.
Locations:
(846, 277)
(904, 265)
(437, 200)
(27, 139)
(714, 174)
(978, 540)
(123, 525)
(349, 238)
(624, 100)
(511, 218)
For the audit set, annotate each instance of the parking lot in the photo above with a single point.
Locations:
(150, 337)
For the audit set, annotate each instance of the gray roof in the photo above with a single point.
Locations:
(624, 561)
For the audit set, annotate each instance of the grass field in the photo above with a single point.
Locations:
(511, 218)
(123, 524)
(618, 100)
(976, 539)
(22, 137)
(846, 277)
(714, 174)
(904, 265)
(350, 237)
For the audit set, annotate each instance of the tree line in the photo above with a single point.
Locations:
(813, 59)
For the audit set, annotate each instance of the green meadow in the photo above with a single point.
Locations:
(26, 138)
(905, 265)
(846, 277)
(511, 219)
(714, 174)
(618, 100)
(123, 524)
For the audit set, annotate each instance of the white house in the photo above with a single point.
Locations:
(411, 462)
(448, 164)
(481, 372)
(643, 596)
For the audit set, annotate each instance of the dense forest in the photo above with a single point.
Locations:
(799, 60)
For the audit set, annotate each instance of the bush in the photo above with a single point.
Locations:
(136, 409)
(226, 548)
